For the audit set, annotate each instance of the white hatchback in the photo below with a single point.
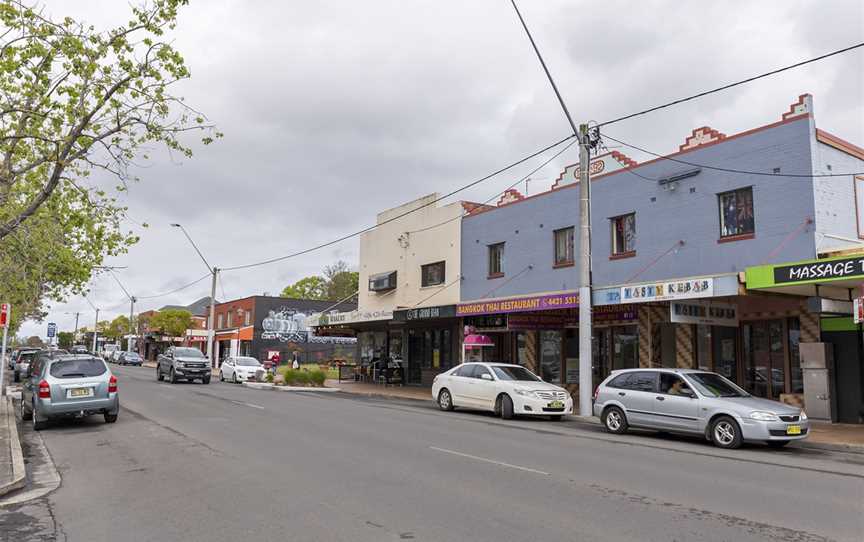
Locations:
(240, 369)
(501, 388)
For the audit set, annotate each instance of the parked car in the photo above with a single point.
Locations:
(17, 352)
(501, 388)
(181, 363)
(108, 350)
(130, 358)
(241, 368)
(114, 357)
(22, 363)
(79, 349)
(695, 402)
(68, 386)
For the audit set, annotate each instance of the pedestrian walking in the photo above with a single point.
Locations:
(296, 364)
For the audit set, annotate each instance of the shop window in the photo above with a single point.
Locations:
(396, 346)
(704, 353)
(522, 339)
(571, 350)
(624, 235)
(550, 356)
(564, 247)
(736, 213)
(665, 347)
(625, 347)
(496, 260)
(795, 374)
(432, 274)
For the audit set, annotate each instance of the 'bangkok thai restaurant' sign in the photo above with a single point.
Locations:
(520, 304)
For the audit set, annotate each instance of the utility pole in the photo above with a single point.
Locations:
(131, 325)
(585, 335)
(75, 333)
(95, 330)
(5, 322)
(211, 330)
(585, 331)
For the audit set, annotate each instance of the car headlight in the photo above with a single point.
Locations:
(803, 416)
(764, 416)
(524, 392)
(180, 364)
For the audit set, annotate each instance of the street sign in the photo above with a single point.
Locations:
(5, 314)
(52, 329)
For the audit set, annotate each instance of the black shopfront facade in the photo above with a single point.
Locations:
(430, 341)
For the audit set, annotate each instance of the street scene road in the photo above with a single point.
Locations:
(224, 462)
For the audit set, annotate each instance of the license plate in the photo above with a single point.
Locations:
(556, 404)
(80, 392)
(793, 430)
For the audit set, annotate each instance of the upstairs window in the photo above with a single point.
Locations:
(432, 274)
(564, 246)
(230, 314)
(496, 260)
(219, 321)
(736, 212)
(624, 234)
(247, 318)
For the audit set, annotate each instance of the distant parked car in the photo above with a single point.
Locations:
(68, 386)
(240, 369)
(17, 352)
(130, 358)
(79, 349)
(108, 351)
(114, 357)
(695, 402)
(180, 363)
(502, 388)
(22, 363)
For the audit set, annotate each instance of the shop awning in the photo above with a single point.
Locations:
(830, 278)
(674, 289)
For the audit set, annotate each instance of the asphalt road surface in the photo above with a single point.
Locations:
(225, 463)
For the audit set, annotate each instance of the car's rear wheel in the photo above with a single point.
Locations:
(725, 433)
(777, 443)
(25, 415)
(445, 400)
(110, 418)
(614, 420)
(171, 376)
(38, 424)
(234, 377)
(205, 380)
(506, 407)
(159, 375)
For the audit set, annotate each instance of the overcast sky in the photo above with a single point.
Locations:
(335, 110)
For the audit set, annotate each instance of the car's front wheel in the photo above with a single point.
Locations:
(234, 378)
(445, 400)
(171, 376)
(614, 420)
(159, 375)
(725, 433)
(205, 380)
(506, 407)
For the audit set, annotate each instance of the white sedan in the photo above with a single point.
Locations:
(239, 369)
(501, 388)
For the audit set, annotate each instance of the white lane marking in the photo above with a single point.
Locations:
(486, 460)
(250, 405)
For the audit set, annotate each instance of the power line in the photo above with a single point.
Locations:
(727, 170)
(735, 84)
(497, 194)
(397, 217)
(174, 291)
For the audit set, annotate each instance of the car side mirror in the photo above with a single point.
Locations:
(486, 376)
(687, 392)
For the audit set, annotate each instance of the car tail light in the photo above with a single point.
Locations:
(44, 390)
(596, 392)
(112, 384)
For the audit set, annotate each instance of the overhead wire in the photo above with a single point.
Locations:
(401, 215)
(731, 85)
(724, 169)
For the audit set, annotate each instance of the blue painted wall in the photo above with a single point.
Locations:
(689, 213)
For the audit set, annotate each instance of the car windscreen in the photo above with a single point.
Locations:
(247, 362)
(520, 374)
(188, 353)
(714, 385)
(77, 368)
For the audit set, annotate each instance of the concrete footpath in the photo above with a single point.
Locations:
(827, 436)
(12, 472)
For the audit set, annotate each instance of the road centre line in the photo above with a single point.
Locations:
(250, 405)
(486, 460)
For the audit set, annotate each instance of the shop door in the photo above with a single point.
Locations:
(848, 377)
(765, 358)
(416, 352)
(600, 366)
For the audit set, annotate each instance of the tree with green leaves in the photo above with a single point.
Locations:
(34, 341)
(342, 283)
(77, 100)
(313, 287)
(171, 322)
(65, 339)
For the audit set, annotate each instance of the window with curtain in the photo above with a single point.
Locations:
(496, 260)
(736, 212)
(624, 234)
(564, 246)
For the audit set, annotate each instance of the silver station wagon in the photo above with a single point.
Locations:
(696, 402)
(68, 386)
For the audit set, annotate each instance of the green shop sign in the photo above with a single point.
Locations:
(806, 272)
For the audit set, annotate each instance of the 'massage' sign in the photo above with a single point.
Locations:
(834, 269)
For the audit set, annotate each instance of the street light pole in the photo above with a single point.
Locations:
(95, 331)
(131, 325)
(211, 330)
